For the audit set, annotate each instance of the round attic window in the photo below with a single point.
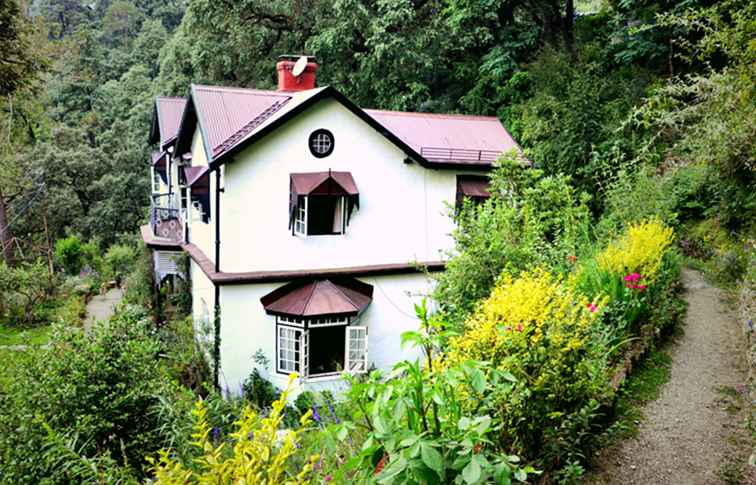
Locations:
(321, 143)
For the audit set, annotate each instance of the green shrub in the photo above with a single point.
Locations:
(119, 261)
(100, 390)
(69, 254)
(26, 293)
(529, 220)
(259, 392)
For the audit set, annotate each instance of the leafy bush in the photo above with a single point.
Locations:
(640, 250)
(260, 392)
(258, 453)
(419, 425)
(119, 262)
(545, 334)
(26, 293)
(69, 255)
(99, 391)
(530, 220)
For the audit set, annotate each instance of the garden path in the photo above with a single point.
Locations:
(690, 433)
(102, 307)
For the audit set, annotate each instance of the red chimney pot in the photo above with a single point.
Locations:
(288, 82)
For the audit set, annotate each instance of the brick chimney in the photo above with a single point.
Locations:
(288, 82)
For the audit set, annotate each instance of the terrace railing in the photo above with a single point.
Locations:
(459, 154)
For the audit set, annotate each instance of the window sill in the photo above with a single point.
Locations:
(324, 377)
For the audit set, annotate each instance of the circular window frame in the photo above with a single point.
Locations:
(316, 133)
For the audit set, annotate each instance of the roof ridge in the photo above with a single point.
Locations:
(251, 91)
(251, 125)
(338, 288)
(309, 297)
(435, 115)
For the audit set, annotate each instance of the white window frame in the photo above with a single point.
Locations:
(156, 181)
(356, 351)
(286, 351)
(321, 144)
(300, 216)
(290, 331)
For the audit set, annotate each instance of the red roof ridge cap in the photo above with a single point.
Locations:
(251, 91)
(435, 115)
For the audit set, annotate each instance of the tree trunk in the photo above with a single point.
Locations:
(6, 238)
(567, 29)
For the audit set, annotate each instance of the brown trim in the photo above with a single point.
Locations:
(223, 278)
(153, 242)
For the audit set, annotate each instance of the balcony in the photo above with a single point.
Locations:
(166, 220)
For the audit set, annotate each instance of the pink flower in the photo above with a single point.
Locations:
(327, 478)
(592, 307)
(641, 287)
(633, 277)
(519, 327)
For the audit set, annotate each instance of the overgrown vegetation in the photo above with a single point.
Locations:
(636, 121)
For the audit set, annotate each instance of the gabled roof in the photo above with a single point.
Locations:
(231, 119)
(448, 137)
(166, 119)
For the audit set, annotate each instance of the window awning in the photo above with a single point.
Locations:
(323, 183)
(158, 159)
(472, 186)
(196, 177)
(317, 298)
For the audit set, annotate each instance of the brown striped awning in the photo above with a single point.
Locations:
(316, 298)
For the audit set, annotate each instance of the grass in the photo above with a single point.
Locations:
(25, 336)
(643, 385)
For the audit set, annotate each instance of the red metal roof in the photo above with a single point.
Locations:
(342, 183)
(169, 112)
(448, 137)
(346, 297)
(229, 114)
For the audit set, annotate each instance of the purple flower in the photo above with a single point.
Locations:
(332, 411)
(327, 478)
(216, 433)
(315, 414)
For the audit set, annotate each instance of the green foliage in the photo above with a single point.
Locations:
(25, 293)
(91, 396)
(119, 261)
(432, 425)
(529, 220)
(259, 392)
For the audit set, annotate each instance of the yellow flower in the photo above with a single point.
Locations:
(639, 250)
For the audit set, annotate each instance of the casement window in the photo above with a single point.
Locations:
(319, 215)
(320, 347)
(155, 181)
(321, 203)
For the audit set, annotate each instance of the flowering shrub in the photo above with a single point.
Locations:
(539, 329)
(639, 251)
(257, 451)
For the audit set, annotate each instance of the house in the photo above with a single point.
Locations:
(311, 224)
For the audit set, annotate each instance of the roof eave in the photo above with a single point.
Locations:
(327, 92)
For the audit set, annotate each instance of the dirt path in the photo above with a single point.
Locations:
(688, 434)
(102, 307)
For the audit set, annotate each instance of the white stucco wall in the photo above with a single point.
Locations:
(203, 290)
(402, 215)
(245, 328)
(200, 233)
